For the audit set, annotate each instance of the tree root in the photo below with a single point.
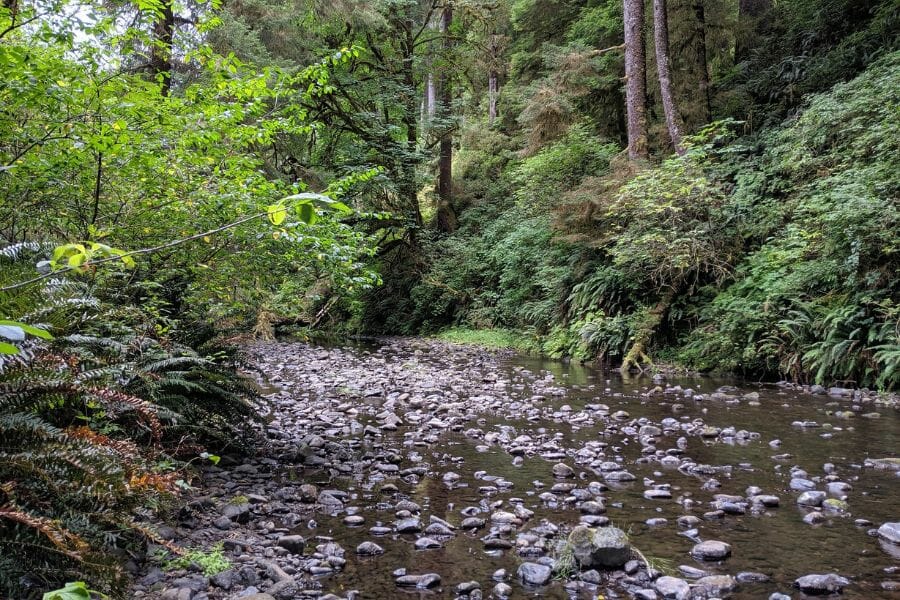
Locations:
(635, 358)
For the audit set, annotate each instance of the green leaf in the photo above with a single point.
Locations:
(340, 207)
(76, 260)
(68, 250)
(277, 214)
(307, 213)
(320, 200)
(75, 590)
(6, 348)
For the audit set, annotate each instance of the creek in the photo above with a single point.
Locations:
(403, 440)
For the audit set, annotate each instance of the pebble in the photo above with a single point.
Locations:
(377, 428)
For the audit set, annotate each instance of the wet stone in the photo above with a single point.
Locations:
(890, 532)
(657, 494)
(425, 543)
(603, 547)
(751, 577)
(711, 550)
(692, 572)
(369, 549)
(533, 573)
(811, 498)
(673, 588)
(563, 471)
(715, 585)
(814, 584)
(410, 525)
(292, 543)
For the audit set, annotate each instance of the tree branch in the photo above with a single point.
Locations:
(151, 250)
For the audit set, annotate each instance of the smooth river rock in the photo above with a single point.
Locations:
(534, 573)
(606, 547)
(816, 585)
(711, 550)
(890, 532)
(673, 588)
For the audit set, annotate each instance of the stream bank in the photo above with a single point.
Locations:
(417, 468)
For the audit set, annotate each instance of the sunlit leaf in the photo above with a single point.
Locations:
(277, 213)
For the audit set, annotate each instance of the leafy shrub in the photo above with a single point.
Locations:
(91, 423)
(815, 299)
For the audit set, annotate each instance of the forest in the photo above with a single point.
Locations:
(653, 186)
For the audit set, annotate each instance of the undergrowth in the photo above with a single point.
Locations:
(97, 426)
(770, 255)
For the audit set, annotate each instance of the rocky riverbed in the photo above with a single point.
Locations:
(413, 468)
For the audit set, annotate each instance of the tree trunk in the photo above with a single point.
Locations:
(161, 65)
(446, 219)
(701, 65)
(493, 93)
(430, 97)
(637, 354)
(635, 79)
(663, 68)
(407, 185)
(13, 7)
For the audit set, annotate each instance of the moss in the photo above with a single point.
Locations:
(492, 338)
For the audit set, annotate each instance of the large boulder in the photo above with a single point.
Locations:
(606, 547)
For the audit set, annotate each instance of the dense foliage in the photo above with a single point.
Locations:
(768, 248)
(178, 177)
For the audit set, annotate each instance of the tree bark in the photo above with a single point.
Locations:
(430, 97)
(407, 186)
(161, 64)
(663, 69)
(446, 219)
(701, 63)
(494, 54)
(13, 7)
(493, 93)
(637, 354)
(635, 79)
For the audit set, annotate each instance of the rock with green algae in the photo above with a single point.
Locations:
(605, 547)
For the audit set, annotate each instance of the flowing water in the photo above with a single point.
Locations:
(776, 542)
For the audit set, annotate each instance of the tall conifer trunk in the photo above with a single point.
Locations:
(446, 219)
(635, 79)
(663, 68)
